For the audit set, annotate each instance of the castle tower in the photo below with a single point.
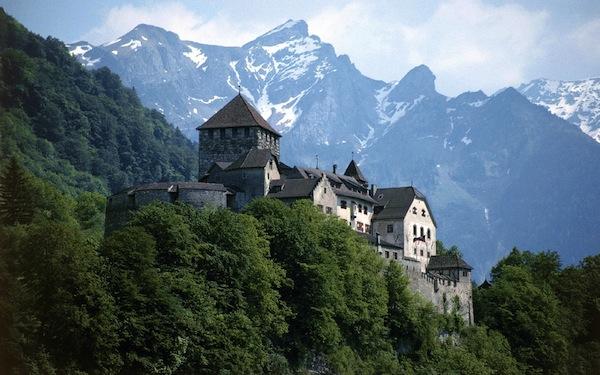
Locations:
(233, 130)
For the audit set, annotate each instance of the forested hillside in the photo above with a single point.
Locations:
(275, 289)
(81, 130)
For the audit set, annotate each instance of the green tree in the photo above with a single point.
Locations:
(16, 197)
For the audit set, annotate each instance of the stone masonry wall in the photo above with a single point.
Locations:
(229, 143)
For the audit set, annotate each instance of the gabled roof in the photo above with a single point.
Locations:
(354, 171)
(294, 188)
(255, 158)
(397, 201)
(238, 113)
(438, 262)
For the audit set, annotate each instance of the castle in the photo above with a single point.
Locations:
(239, 160)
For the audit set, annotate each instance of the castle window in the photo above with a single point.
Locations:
(222, 133)
(415, 251)
(428, 233)
(360, 208)
(395, 255)
(387, 254)
(465, 273)
(234, 133)
(344, 204)
(422, 232)
(324, 190)
(367, 228)
(414, 210)
(359, 226)
(421, 252)
(428, 254)
(390, 228)
(414, 230)
(423, 213)
(246, 132)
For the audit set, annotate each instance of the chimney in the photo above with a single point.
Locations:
(373, 190)
(334, 168)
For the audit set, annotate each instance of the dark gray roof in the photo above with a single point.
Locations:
(238, 113)
(354, 171)
(255, 158)
(174, 186)
(344, 192)
(294, 188)
(373, 240)
(397, 201)
(437, 262)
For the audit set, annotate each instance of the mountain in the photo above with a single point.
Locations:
(81, 130)
(575, 101)
(499, 171)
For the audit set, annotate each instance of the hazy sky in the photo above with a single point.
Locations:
(468, 44)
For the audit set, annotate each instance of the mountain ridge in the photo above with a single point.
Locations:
(460, 151)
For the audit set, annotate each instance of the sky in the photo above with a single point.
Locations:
(468, 44)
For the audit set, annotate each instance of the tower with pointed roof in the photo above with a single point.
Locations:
(234, 130)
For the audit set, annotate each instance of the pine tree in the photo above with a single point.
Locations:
(16, 205)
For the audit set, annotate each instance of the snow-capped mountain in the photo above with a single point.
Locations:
(575, 101)
(499, 171)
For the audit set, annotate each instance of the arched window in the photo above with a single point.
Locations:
(414, 230)
(428, 233)
(422, 232)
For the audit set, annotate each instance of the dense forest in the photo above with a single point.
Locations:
(274, 289)
(81, 130)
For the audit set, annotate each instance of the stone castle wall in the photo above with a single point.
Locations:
(228, 144)
(122, 206)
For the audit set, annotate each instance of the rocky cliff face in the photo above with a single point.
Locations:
(499, 171)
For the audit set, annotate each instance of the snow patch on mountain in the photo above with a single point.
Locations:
(133, 44)
(575, 101)
(196, 56)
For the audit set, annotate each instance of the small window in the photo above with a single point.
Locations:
(367, 228)
(329, 210)
(422, 232)
(344, 204)
(428, 254)
(395, 255)
(465, 273)
(421, 252)
(268, 176)
(246, 132)
(428, 233)
(414, 230)
(387, 254)
(360, 208)
(390, 228)
(222, 133)
(423, 213)
(414, 210)
(324, 190)
(415, 251)
(320, 206)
